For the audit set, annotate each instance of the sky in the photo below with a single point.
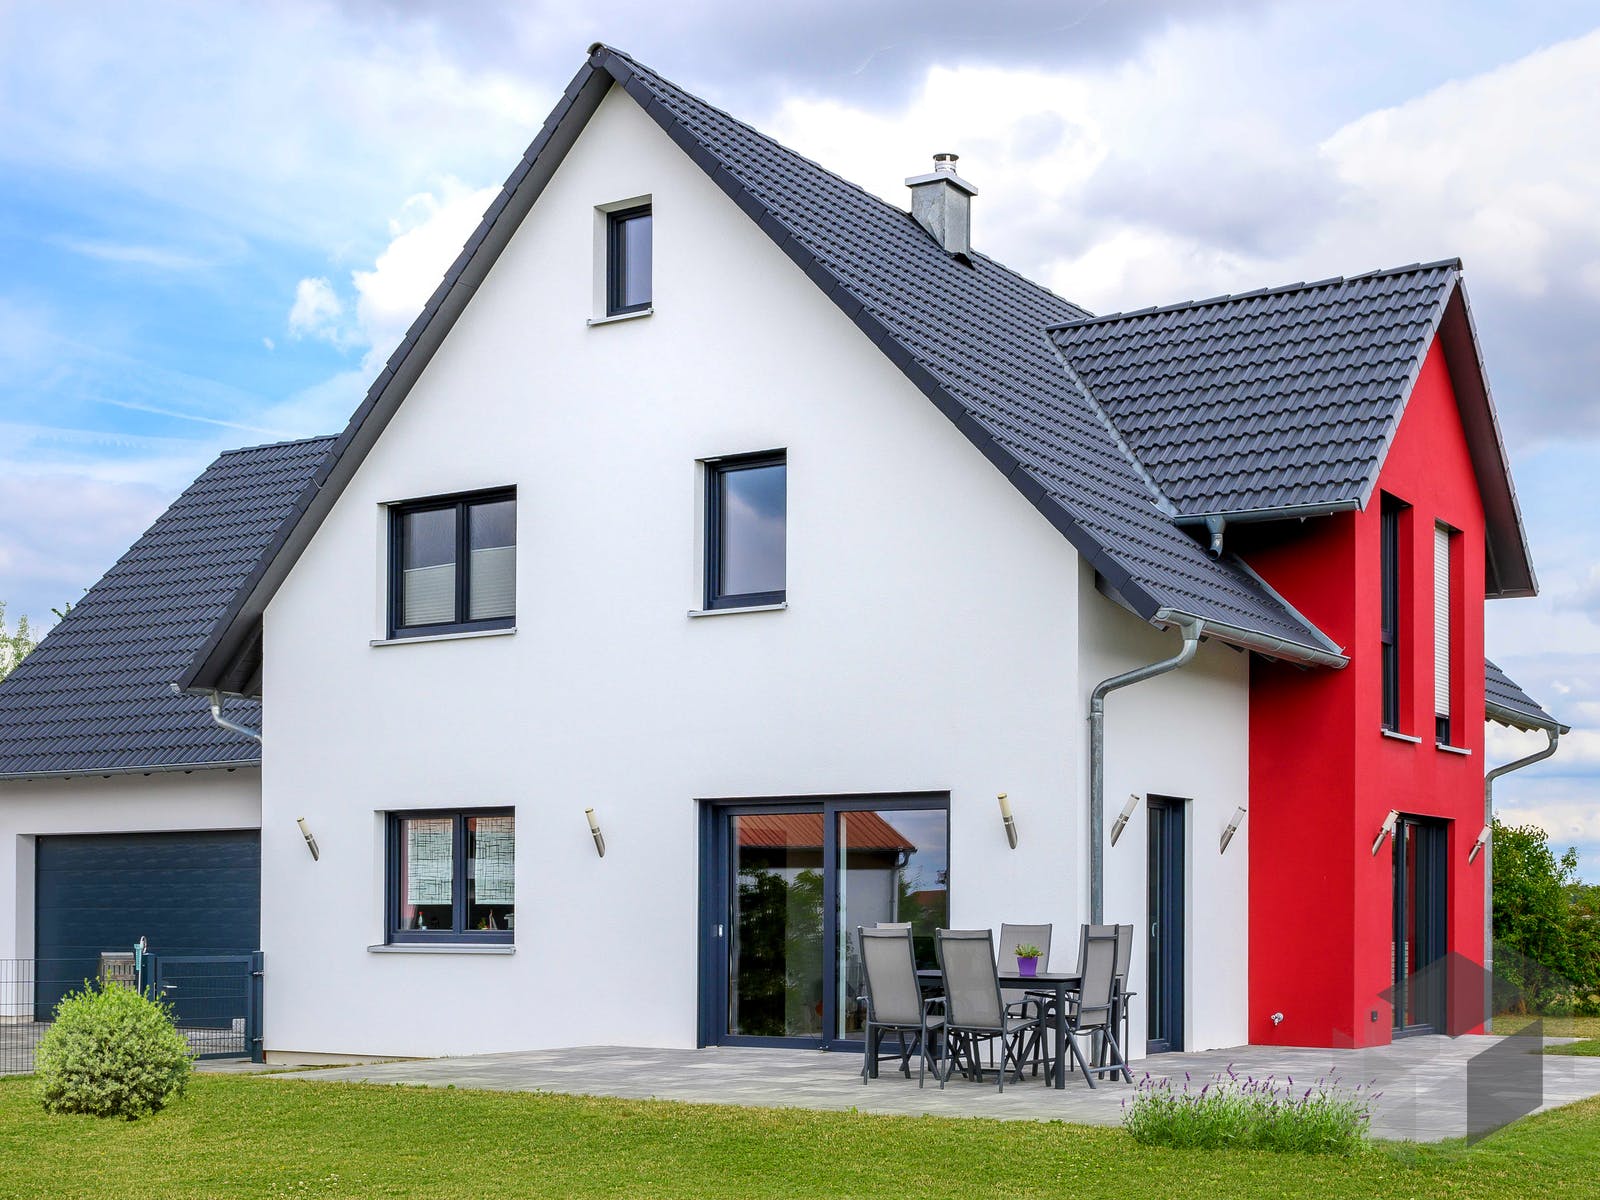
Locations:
(217, 219)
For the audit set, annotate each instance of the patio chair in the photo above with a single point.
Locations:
(975, 1014)
(1120, 993)
(894, 1001)
(1094, 1013)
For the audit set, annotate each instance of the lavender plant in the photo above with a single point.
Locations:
(1326, 1117)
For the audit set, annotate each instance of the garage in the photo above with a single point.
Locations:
(191, 893)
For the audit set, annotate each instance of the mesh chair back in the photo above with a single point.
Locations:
(1012, 936)
(893, 996)
(1124, 954)
(1099, 971)
(971, 983)
(1084, 936)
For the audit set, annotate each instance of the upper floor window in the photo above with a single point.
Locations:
(1389, 521)
(628, 260)
(452, 876)
(1444, 545)
(453, 564)
(747, 509)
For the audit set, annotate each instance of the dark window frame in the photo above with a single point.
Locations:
(1390, 510)
(616, 255)
(456, 934)
(462, 502)
(1444, 723)
(715, 597)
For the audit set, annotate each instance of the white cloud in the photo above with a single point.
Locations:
(316, 311)
(424, 240)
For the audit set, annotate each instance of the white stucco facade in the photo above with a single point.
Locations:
(939, 637)
(163, 802)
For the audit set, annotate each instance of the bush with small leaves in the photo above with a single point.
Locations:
(111, 1053)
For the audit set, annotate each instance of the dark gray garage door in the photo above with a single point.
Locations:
(184, 893)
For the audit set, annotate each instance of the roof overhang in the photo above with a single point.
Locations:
(1517, 719)
(108, 772)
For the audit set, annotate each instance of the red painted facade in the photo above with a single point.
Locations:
(1322, 773)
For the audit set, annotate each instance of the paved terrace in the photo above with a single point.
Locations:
(1422, 1080)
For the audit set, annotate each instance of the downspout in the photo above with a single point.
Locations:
(1191, 628)
(231, 726)
(1554, 736)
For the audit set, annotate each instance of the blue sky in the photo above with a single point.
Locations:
(215, 220)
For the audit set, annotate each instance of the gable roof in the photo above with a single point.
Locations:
(970, 334)
(1284, 401)
(96, 696)
(1507, 703)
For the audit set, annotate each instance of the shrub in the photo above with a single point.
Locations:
(111, 1053)
(1249, 1113)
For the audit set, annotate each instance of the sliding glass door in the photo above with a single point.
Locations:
(784, 888)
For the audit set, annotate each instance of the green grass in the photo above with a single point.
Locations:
(1578, 1027)
(240, 1136)
(1585, 1049)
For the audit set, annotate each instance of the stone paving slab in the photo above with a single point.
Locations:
(1422, 1080)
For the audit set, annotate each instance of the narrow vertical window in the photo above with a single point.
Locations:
(628, 261)
(747, 513)
(1443, 602)
(1389, 572)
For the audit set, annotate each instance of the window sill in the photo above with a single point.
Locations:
(1401, 737)
(1452, 749)
(443, 637)
(442, 948)
(728, 612)
(612, 320)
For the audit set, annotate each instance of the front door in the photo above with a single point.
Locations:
(1420, 896)
(1166, 844)
(785, 886)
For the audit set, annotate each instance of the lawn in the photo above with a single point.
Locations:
(252, 1136)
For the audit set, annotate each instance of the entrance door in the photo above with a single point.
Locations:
(1420, 895)
(785, 886)
(1165, 978)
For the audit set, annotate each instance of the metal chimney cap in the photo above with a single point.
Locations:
(944, 171)
(945, 162)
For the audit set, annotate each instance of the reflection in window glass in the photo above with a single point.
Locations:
(428, 544)
(629, 269)
(752, 511)
(891, 865)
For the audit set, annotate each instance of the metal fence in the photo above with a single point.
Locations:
(215, 1000)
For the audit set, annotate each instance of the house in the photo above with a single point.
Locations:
(684, 594)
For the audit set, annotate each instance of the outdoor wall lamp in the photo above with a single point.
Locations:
(1231, 829)
(1389, 823)
(1477, 846)
(594, 830)
(1008, 820)
(1121, 822)
(311, 842)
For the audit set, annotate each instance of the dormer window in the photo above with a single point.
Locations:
(453, 564)
(628, 261)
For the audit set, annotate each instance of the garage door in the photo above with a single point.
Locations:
(184, 893)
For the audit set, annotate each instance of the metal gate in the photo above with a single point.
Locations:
(215, 1000)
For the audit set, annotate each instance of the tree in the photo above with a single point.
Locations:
(15, 645)
(1548, 917)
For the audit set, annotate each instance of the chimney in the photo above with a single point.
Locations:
(941, 202)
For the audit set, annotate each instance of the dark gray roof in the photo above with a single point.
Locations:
(1281, 398)
(96, 696)
(1286, 400)
(969, 333)
(1507, 703)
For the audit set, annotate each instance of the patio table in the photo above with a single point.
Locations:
(1061, 983)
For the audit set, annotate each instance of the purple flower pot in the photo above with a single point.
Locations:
(1027, 966)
